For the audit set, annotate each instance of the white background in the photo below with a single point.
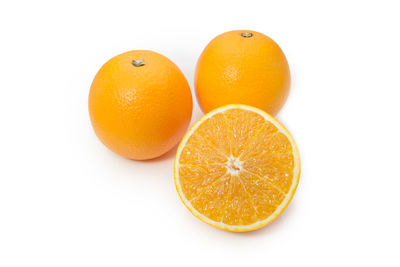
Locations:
(65, 200)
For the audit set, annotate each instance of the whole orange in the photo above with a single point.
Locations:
(242, 67)
(140, 104)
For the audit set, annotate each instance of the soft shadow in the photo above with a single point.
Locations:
(170, 154)
(270, 228)
(278, 225)
(197, 113)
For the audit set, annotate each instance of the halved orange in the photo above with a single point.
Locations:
(237, 168)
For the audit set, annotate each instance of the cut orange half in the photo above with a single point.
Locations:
(237, 168)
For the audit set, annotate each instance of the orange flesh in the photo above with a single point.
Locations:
(236, 168)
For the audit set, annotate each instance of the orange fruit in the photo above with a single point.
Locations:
(242, 67)
(237, 168)
(140, 104)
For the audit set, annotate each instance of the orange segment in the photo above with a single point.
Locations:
(237, 168)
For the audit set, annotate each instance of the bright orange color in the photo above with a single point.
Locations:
(140, 104)
(249, 69)
(237, 168)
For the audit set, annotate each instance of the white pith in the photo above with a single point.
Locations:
(233, 165)
(288, 196)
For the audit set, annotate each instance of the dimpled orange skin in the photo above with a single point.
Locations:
(140, 112)
(237, 70)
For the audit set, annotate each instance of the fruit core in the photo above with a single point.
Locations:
(234, 165)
